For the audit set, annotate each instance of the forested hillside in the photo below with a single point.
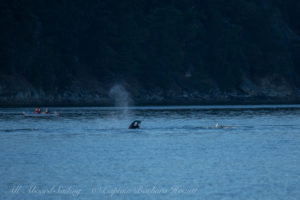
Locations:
(75, 51)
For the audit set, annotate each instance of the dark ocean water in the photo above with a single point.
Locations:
(88, 153)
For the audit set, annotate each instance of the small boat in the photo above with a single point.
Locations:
(54, 114)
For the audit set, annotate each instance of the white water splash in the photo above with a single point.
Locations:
(121, 98)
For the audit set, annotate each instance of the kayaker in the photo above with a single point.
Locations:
(46, 111)
(37, 110)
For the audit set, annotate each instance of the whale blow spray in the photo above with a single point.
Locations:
(121, 98)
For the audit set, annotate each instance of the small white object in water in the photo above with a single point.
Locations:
(219, 126)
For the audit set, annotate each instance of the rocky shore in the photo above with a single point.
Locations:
(269, 90)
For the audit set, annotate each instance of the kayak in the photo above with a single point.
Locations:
(54, 114)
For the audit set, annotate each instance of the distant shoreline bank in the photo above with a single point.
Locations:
(137, 104)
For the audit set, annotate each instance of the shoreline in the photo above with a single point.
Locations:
(144, 104)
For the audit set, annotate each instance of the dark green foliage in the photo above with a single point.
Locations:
(167, 44)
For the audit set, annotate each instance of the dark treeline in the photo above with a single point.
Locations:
(179, 45)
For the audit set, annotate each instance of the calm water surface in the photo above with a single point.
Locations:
(88, 153)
